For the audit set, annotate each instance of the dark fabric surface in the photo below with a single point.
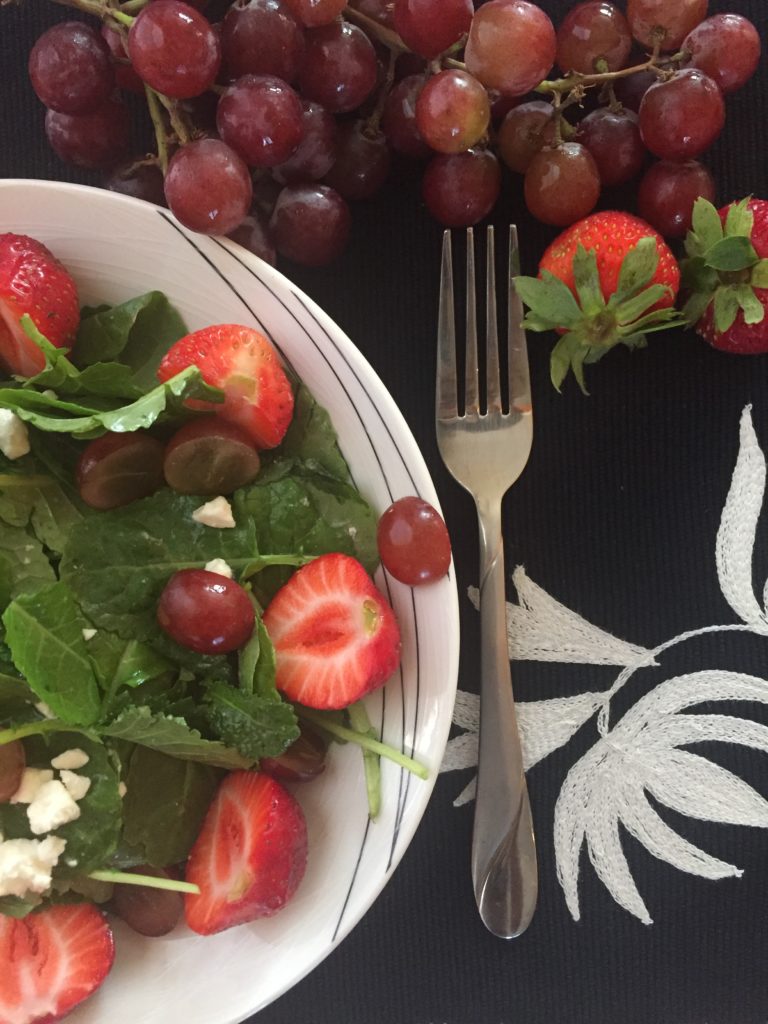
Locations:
(616, 517)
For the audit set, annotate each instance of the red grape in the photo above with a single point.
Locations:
(314, 13)
(683, 116)
(151, 912)
(253, 234)
(316, 153)
(727, 48)
(303, 761)
(630, 90)
(208, 187)
(379, 10)
(452, 112)
(117, 469)
(140, 180)
(398, 121)
(205, 611)
(413, 542)
(310, 224)
(511, 46)
(125, 76)
(429, 27)
(362, 164)
(673, 19)
(174, 49)
(562, 184)
(260, 117)
(96, 141)
(339, 69)
(265, 193)
(70, 69)
(12, 764)
(208, 456)
(261, 37)
(523, 132)
(667, 193)
(613, 139)
(461, 188)
(591, 32)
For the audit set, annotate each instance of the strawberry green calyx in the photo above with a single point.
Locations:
(591, 324)
(722, 266)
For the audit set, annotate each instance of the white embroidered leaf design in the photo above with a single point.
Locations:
(738, 528)
(545, 726)
(607, 788)
(539, 628)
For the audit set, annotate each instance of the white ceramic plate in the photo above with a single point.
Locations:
(117, 248)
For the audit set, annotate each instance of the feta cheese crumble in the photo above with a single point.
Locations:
(31, 781)
(76, 785)
(88, 634)
(14, 437)
(220, 567)
(26, 864)
(44, 710)
(216, 513)
(122, 789)
(51, 808)
(71, 759)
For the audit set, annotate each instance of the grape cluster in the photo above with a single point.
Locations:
(269, 121)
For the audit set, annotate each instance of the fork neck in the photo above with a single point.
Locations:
(489, 520)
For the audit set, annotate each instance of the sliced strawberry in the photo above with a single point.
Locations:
(51, 961)
(240, 361)
(250, 855)
(34, 282)
(335, 636)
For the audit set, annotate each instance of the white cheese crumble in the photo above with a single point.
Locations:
(71, 759)
(31, 781)
(122, 789)
(14, 438)
(76, 785)
(51, 808)
(26, 864)
(220, 567)
(88, 634)
(44, 710)
(217, 513)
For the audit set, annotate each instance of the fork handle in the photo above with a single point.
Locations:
(504, 869)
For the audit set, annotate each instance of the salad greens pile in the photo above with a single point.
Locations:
(83, 662)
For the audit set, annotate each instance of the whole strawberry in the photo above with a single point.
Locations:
(725, 275)
(33, 283)
(609, 279)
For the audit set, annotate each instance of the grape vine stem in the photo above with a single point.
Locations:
(383, 34)
(575, 79)
(158, 122)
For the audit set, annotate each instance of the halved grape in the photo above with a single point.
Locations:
(205, 611)
(12, 764)
(117, 469)
(151, 912)
(210, 456)
(303, 761)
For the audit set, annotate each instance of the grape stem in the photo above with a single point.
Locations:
(575, 79)
(158, 122)
(145, 881)
(372, 124)
(178, 124)
(372, 27)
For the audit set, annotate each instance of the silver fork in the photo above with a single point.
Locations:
(486, 453)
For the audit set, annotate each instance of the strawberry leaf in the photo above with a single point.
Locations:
(732, 253)
(696, 307)
(636, 272)
(751, 306)
(698, 277)
(549, 298)
(587, 280)
(577, 365)
(759, 278)
(740, 219)
(561, 359)
(631, 309)
(726, 308)
(707, 228)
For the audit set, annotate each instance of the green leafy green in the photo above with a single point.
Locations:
(174, 737)
(24, 566)
(257, 663)
(255, 725)
(39, 500)
(311, 437)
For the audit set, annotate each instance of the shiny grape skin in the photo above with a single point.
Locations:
(208, 187)
(310, 224)
(511, 46)
(429, 27)
(261, 37)
(613, 138)
(260, 117)
(461, 189)
(562, 184)
(316, 153)
(339, 69)
(413, 542)
(676, 17)
(362, 164)
(205, 612)
(727, 48)
(96, 141)
(523, 133)
(452, 112)
(116, 469)
(590, 32)
(682, 117)
(668, 191)
(125, 76)
(70, 68)
(174, 49)
(314, 13)
(398, 121)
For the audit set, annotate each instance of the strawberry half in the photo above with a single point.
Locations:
(242, 363)
(52, 960)
(610, 279)
(725, 275)
(35, 283)
(250, 855)
(335, 636)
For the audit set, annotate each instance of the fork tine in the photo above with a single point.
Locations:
(446, 386)
(493, 383)
(519, 374)
(471, 385)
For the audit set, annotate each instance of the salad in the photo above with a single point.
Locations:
(188, 619)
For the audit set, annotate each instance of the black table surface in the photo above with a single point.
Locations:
(616, 517)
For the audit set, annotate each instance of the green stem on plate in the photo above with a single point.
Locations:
(145, 881)
(35, 729)
(361, 723)
(367, 742)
